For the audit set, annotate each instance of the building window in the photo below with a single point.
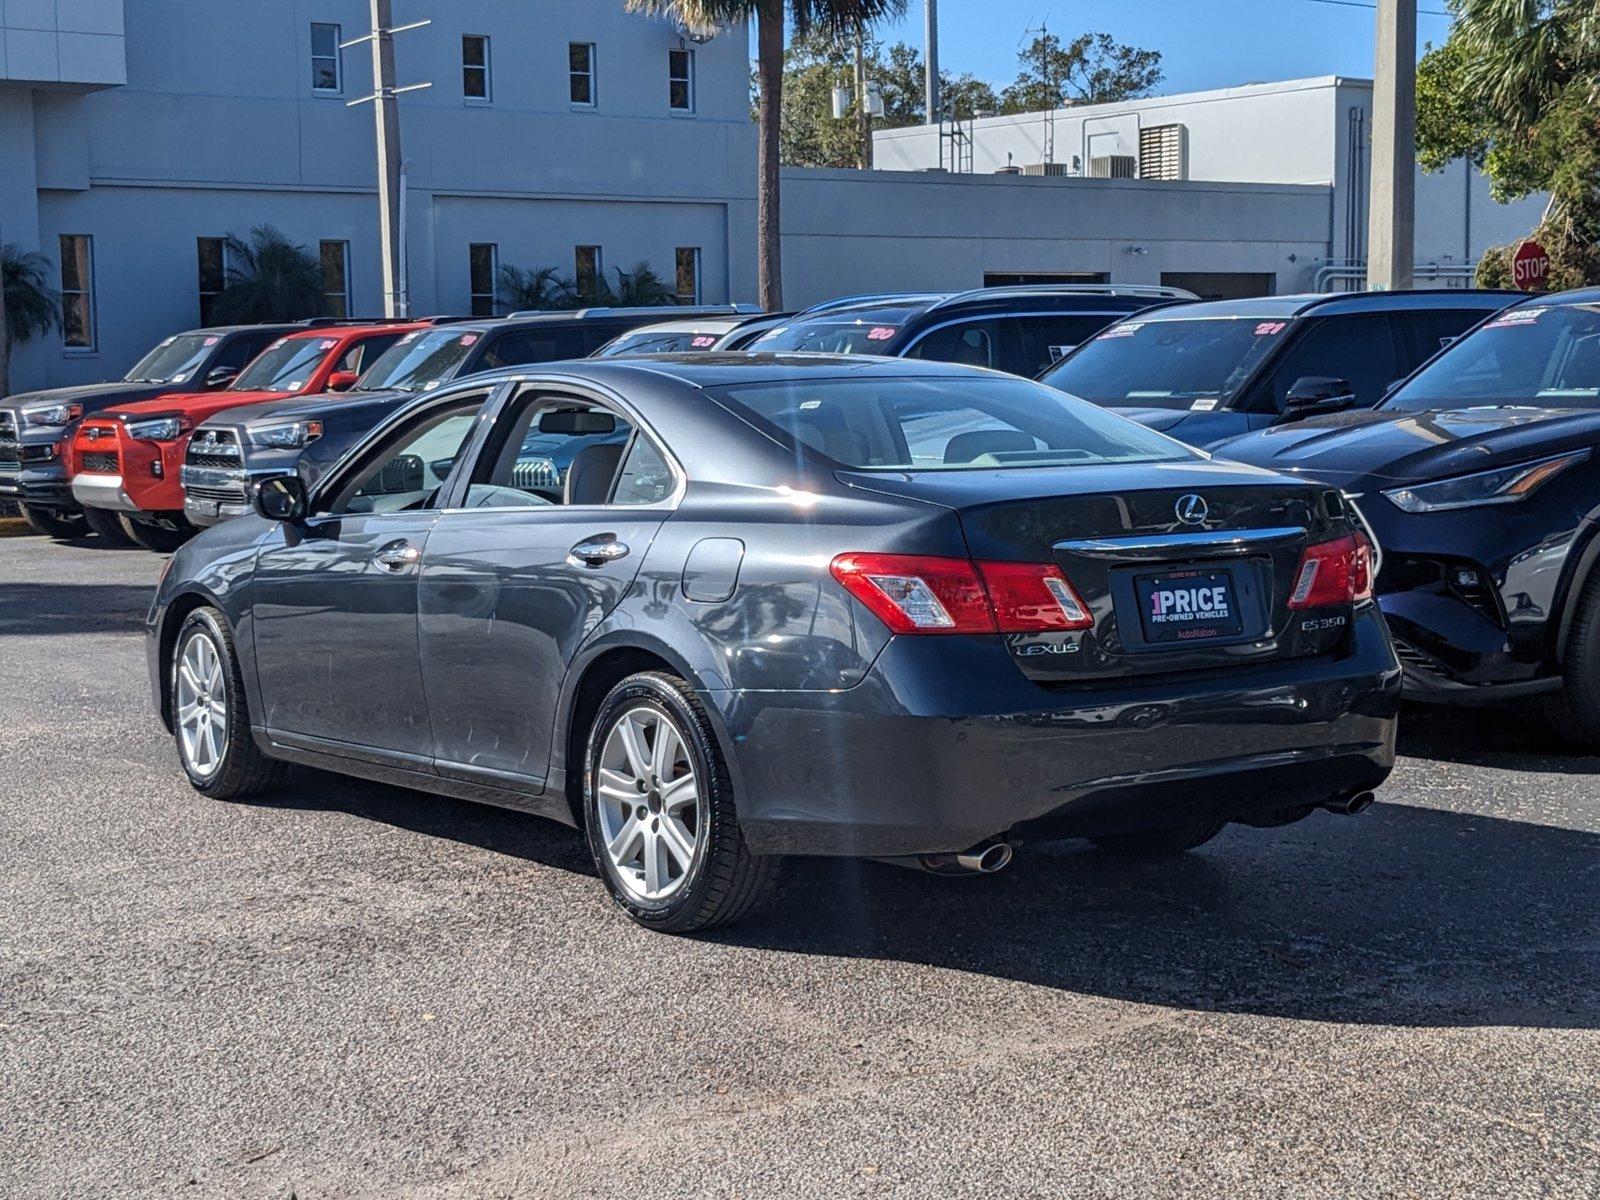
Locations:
(483, 262)
(680, 80)
(212, 255)
(77, 291)
(587, 273)
(688, 279)
(327, 66)
(580, 69)
(336, 279)
(475, 67)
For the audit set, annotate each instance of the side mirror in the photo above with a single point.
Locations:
(342, 381)
(221, 376)
(282, 498)
(1318, 394)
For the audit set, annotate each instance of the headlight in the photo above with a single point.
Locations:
(1505, 485)
(285, 437)
(55, 416)
(157, 429)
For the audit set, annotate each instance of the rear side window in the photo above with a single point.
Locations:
(1041, 341)
(970, 343)
(969, 421)
(1358, 348)
(544, 344)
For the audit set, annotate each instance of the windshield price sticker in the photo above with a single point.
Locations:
(410, 337)
(212, 341)
(1122, 330)
(295, 386)
(468, 338)
(1205, 404)
(327, 343)
(1516, 318)
(880, 333)
(1271, 328)
(702, 342)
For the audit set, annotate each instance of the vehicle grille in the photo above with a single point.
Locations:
(10, 449)
(535, 473)
(216, 495)
(101, 463)
(214, 448)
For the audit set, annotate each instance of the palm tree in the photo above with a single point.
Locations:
(29, 306)
(637, 287)
(519, 289)
(707, 16)
(269, 278)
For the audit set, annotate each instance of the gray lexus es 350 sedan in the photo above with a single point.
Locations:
(719, 610)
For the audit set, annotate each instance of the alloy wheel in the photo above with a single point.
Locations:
(649, 804)
(202, 705)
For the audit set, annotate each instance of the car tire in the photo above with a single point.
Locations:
(1161, 843)
(1574, 711)
(53, 524)
(223, 763)
(640, 832)
(156, 537)
(105, 525)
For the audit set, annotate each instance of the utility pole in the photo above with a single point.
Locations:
(386, 119)
(1392, 213)
(930, 38)
(863, 103)
(5, 345)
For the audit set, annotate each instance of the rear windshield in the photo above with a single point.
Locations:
(643, 342)
(1532, 355)
(976, 422)
(839, 334)
(420, 361)
(174, 360)
(1169, 364)
(285, 366)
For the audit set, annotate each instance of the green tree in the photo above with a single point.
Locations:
(809, 135)
(29, 306)
(707, 16)
(530, 289)
(269, 278)
(1093, 68)
(1515, 88)
(904, 76)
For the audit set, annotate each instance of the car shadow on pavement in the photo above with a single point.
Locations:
(72, 609)
(1510, 737)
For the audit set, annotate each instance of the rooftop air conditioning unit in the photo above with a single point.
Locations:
(1113, 166)
(1045, 169)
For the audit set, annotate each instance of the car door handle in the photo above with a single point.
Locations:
(597, 551)
(397, 556)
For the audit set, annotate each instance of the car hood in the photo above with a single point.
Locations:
(93, 396)
(1362, 450)
(1154, 418)
(197, 406)
(291, 408)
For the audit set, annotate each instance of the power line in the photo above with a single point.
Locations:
(1367, 4)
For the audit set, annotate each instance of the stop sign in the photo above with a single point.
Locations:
(1530, 266)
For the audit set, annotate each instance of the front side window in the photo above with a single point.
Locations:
(556, 450)
(407, 470)
(1199, 362)
(1357, 348)
(327, 60)
(336, 278)
(580, 73)
(680, 80)
(475, 67)
(1534, 355)
(285, 366)
(910, 424)
(687, 279)
(77, 291)
(211, 253)
(420, 360)
(483, 261)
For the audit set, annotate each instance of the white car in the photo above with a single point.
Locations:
(691, 334)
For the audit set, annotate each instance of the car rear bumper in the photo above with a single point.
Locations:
(946, 743)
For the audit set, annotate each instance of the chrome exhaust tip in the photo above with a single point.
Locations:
(1350, 806)
(985, 860)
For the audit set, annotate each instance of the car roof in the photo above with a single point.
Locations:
(1586, 295)
(1337, 303)
(899, 307)
(346, 332)
(690, 325)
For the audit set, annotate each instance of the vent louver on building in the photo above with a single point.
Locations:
(1113, 166)
(1164, 152)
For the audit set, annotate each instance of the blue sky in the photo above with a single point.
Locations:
(1204, 43)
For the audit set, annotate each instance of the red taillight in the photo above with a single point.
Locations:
(1336, 572)
(923, 594)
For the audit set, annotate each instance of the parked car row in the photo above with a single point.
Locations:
(739, 586)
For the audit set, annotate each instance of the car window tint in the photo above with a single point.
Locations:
(542, 344)
(1532, 355)
(1044, 340)
(237, 351)
(644, 477)
(1427, 333)
(365, 351)
(1356, 348)
(550, 450)
(971, 343)
(409, 468)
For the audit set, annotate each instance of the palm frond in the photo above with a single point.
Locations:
(268, 278)
(33, 307)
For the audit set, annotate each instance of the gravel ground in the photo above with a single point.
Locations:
(350, 990)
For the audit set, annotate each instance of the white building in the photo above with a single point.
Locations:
(133, 133)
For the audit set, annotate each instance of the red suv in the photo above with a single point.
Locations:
(127, 460)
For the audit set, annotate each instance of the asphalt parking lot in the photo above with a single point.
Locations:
(354, 991)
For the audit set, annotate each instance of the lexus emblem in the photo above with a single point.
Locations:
(1191, 509)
